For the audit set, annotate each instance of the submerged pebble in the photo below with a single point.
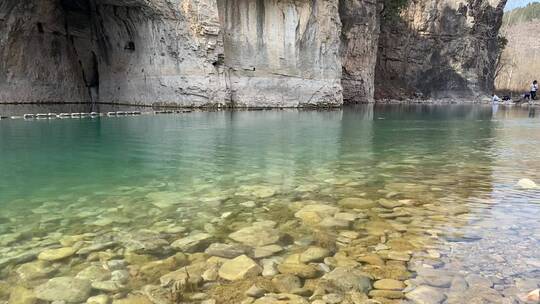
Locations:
(526, 183)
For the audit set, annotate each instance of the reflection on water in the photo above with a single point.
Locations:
(396, 203)
(9, 110)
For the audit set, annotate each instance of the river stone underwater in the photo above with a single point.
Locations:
(398, 204)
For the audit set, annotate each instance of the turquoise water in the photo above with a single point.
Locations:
(51, 158)
(160, 172)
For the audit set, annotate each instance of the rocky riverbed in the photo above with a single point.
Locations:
(259, 244)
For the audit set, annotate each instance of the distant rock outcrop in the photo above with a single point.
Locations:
(440, 49)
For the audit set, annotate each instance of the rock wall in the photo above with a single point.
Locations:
(282, 52)
(359, 41)
(160, 53)
(122, 51)
(444, 48)
(242, 53)
(171, 52)
(37, 62)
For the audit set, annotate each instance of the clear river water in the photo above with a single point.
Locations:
(386, 203)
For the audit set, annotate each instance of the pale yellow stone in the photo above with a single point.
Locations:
(21, 295)
(133, 299)
(241, 267)
(356, 203)
(56, 254)
(389, 284)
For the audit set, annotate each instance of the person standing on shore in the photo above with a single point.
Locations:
(534, 88)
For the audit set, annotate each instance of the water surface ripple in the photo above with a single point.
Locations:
(421, 201)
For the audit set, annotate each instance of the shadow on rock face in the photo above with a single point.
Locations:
(439, 51)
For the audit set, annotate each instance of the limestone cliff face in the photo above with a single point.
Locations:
(121, 51)
(160, 53)
(441, 48)
(37, 62)
(171, 52)
(282, 52)
(359, 40)
(241, 53)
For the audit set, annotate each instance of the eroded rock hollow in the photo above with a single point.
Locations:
(240, 53)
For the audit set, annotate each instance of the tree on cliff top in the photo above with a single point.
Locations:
(519, 64)
(522, 14)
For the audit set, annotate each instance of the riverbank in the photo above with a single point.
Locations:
(485, 101)
(77, 111)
